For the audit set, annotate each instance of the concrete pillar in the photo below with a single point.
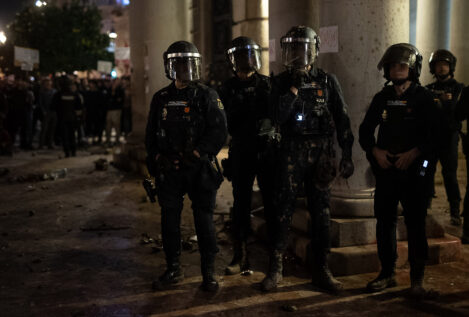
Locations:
(282, 16)
(431, 31)
(202, 31)
(251, 19)
(365, 30)
(154, 25)
(459, 38)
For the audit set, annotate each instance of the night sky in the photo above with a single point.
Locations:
(8, 9)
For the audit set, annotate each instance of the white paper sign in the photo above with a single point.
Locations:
(272, 50)
(27, 56)
(329, 36)
(104, 67)
(122, 53)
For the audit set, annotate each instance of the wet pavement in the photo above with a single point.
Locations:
(88, 244)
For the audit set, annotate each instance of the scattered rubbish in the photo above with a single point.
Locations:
(37, 177)
(31, 188)
(193, 239)
(146, 239)
(101, 164)
(60, 173)
(32, 213)
(247, 272)
(104, 227)
(289, 308)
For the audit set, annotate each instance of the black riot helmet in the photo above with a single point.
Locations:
(442, 56)
(244, 55)
(402, 53)
(182, 61)
(300, 47)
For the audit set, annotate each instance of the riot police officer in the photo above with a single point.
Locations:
(246, 100)
(186, 129)
(308, 108)
(462, 113)
(400, 159)
(446, 91)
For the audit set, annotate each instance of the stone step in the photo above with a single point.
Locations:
(359, 231)
(364, 258)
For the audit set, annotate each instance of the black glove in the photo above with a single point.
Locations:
(346, 167)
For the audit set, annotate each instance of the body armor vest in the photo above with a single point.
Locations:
(180, 121)
(311, 115)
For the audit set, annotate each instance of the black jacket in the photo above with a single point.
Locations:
(182, 120)
(246, 103)
(285, 106)
(405, 122)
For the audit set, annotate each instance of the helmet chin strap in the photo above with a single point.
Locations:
(398, 82)
(442, 77)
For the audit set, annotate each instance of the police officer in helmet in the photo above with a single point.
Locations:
(308, 108)
(186, 129)
(446, 92)
(246, 100)
(401, 159)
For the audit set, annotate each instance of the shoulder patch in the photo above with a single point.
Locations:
(220, 104)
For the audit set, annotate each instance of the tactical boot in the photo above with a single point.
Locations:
(417, 291)
(383, 281)
(455, 217)
(274, 276)
(209, 283)
(322, 278)
(465, 229)
(172, 275)
(240, 262)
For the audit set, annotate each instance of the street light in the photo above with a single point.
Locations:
(40, 3)
(3, 37)
(112, 34)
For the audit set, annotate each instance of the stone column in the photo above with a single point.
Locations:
(432, 31)
(282, 16)
(365, 30)
(251, 19)
(154, 25)
(459, 38)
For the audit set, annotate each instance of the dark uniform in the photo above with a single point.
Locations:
(67, 104)
(449, 128)
(405, 122)
(462, 113)
(307, 122)
(246, 104)
(181, 121)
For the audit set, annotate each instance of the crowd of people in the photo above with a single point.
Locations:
(63, 111)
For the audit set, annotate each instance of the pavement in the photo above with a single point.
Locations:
(88, 243)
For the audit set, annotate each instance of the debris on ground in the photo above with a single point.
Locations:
(146, 239)
(289, 308)
(101, 164)
(38, 177)
(104, 227)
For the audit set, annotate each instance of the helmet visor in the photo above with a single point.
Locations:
(184, 68)
(298, 54)
(245, 59)
(398, 55)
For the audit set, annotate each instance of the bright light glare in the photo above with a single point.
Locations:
(3, 37)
